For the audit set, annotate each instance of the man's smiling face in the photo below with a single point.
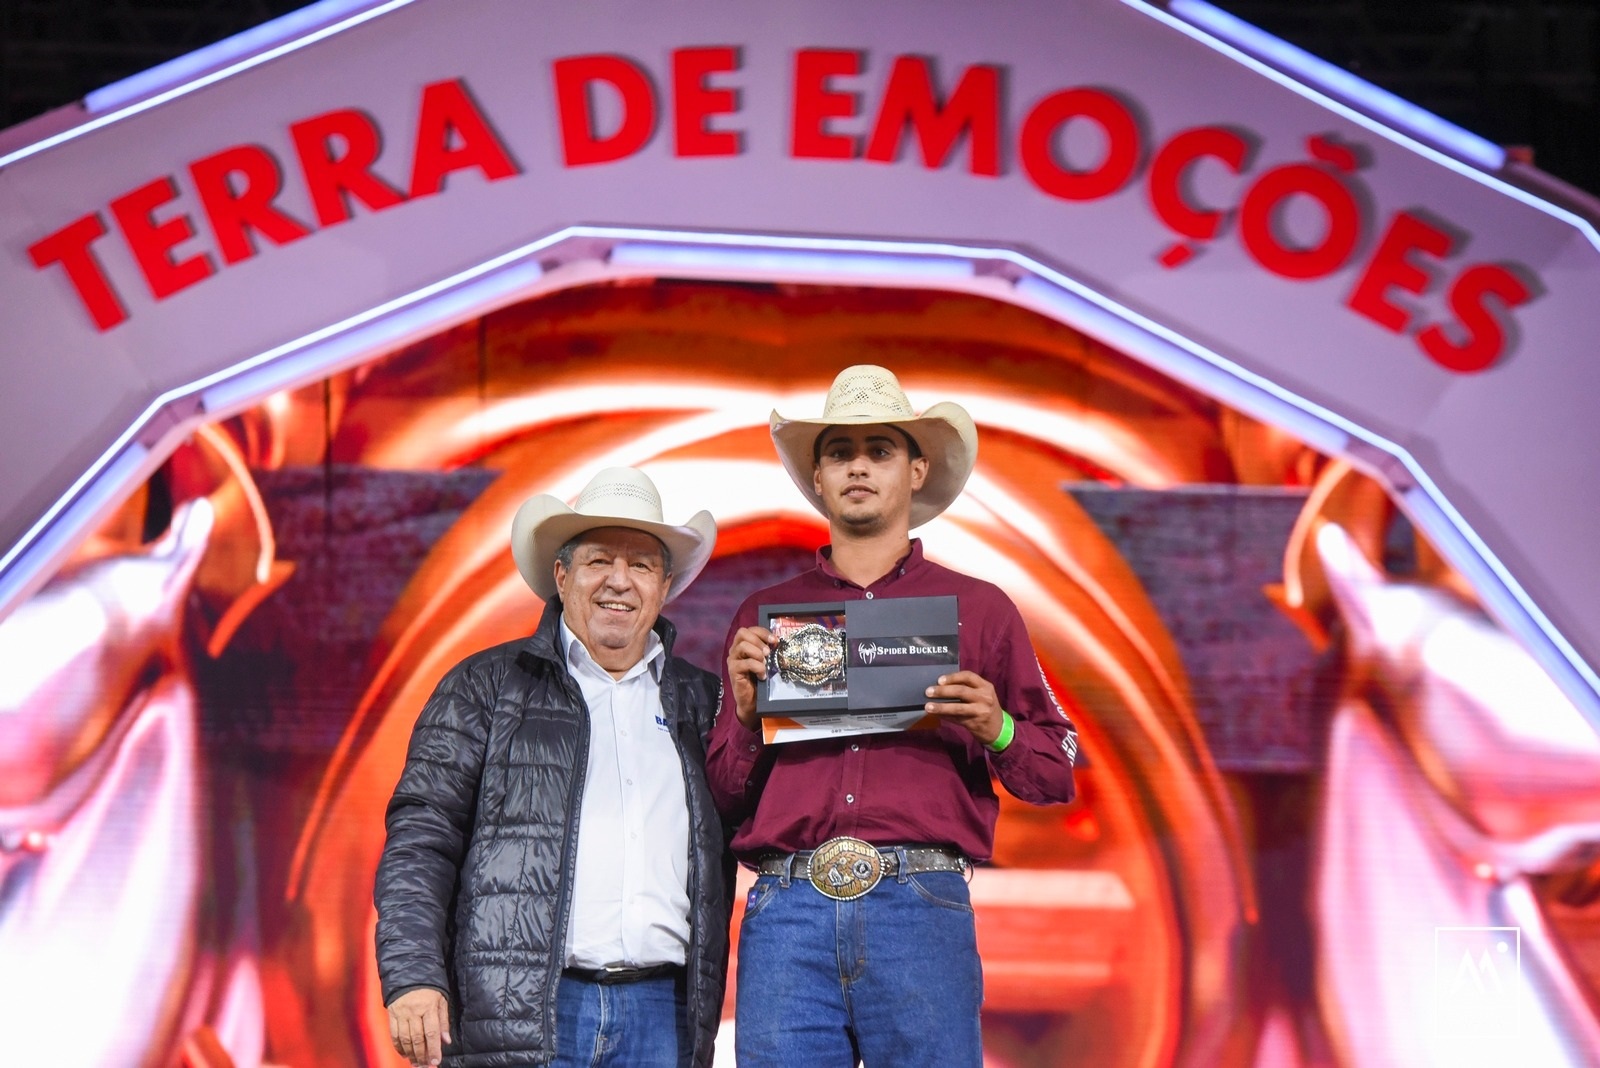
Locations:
(612, 593)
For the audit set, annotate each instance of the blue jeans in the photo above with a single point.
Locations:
(622, 1025)
(891, 978)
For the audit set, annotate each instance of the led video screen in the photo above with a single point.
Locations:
(1329, 813)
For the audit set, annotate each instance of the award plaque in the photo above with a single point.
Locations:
(858, 657)
(806, 669)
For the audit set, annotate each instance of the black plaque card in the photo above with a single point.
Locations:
(896, 647)
(877, 655)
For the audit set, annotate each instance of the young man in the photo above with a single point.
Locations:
(875, 959)
(553, 889)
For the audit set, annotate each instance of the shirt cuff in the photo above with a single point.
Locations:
(744, 744)
(1013, 755)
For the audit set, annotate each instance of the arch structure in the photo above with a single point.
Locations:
(1161, 177)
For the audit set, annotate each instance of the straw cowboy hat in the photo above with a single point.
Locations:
(615, 497)
(865, 394)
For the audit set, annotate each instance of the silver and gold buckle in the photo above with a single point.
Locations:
(813, 655)
(844, 868)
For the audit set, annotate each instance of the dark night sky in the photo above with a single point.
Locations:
(1519, 72)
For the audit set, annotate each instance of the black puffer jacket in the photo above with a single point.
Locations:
(473, 888)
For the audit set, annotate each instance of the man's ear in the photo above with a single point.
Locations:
(561, 575)
(919, 472)
(816, 479)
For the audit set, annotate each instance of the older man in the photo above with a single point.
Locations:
(554, 889)
(858, 941)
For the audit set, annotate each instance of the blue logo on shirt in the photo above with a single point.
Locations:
(661, 721)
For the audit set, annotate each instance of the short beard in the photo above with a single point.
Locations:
(866, 525)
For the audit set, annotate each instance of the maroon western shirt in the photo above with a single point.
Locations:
(921, 786)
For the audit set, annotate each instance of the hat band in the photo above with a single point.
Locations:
(876, 414)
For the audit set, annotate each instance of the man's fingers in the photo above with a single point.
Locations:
(757, 666)
(748, 653)
(756, 636)
(430, 1037)
(954, 694)
(411, 1038)
(419, 1025)
(963, 686)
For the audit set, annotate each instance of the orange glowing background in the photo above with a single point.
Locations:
(1227, 614)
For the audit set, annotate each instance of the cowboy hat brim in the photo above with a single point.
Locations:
(544, 524)
(945, 433)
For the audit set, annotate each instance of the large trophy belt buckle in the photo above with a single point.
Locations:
(844, 868)
(813, 655)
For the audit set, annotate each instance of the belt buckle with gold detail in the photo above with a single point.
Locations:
(844, 868)
(813, 655)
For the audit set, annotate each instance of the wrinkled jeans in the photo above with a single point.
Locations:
(891, 978)
(622, 1025)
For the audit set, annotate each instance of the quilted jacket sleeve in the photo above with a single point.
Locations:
(429, 824)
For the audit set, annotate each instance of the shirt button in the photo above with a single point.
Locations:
(849, 799)
(749, 782)
(869, 595)
(752, 748)
(854, 746)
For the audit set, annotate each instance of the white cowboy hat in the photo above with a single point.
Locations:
(866, 394)
(615, 497)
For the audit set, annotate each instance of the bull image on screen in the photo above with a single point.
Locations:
(1330, 813)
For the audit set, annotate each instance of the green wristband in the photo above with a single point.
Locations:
(1008, 731)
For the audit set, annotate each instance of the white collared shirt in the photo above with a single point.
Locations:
(630, 897)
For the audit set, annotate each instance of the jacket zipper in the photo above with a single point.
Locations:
(569, 853)
(692, 972)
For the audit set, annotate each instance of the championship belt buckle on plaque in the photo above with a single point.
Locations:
(813, 655)
(844, 868)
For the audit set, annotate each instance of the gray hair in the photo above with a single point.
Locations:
(564, 554)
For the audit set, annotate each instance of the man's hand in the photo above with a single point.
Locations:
(747, 664)
(419, 1025)
(967, 698)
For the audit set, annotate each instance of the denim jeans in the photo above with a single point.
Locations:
(622, 1025)
(891, 978)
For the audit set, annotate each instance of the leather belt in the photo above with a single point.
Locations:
(845, 868)
(616, 973)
